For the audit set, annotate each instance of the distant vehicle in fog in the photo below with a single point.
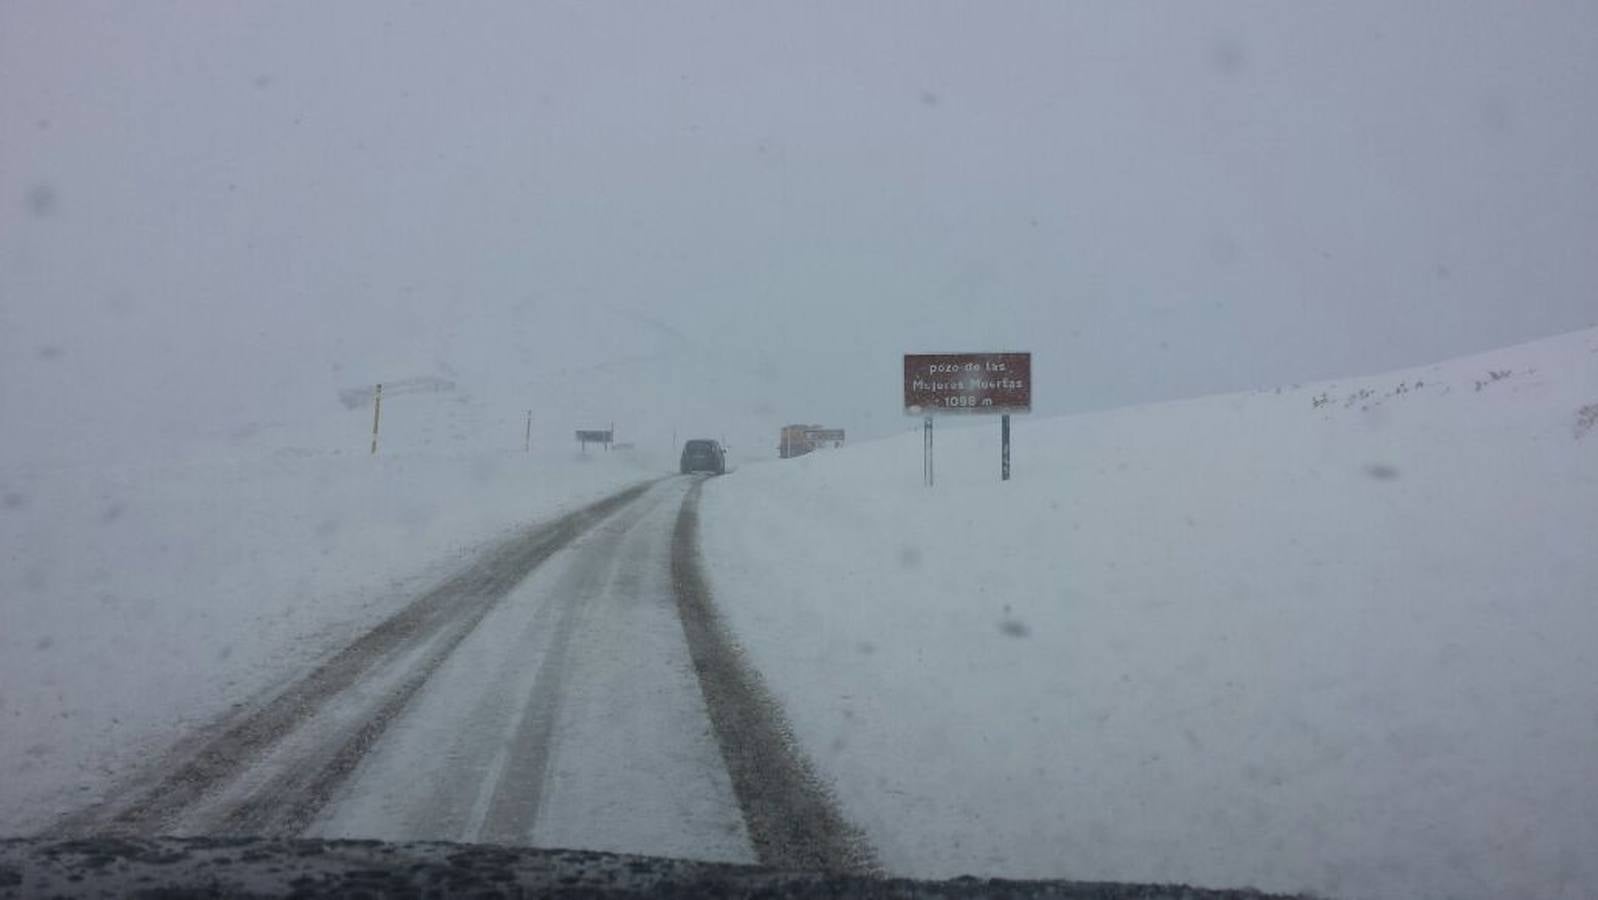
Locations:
(797, 440)
(704, 455)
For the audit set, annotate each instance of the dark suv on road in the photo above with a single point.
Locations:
(704, 456)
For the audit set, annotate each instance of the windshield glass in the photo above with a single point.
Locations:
(1131, 442)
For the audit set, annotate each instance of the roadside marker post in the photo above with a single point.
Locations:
(355, 398)
(377, 414)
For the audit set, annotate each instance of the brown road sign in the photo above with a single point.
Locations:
(937, 384)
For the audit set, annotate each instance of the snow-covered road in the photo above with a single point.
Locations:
(546, 695)
(570, 717)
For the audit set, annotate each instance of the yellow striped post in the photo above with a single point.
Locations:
(377, 413)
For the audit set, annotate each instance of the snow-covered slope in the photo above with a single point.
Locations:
(1338, 637)
(139, 600)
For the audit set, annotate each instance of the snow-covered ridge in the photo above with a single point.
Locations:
(1335, 637)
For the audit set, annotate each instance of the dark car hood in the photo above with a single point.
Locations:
(259, 867)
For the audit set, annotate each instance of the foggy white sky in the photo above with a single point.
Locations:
(721, 217)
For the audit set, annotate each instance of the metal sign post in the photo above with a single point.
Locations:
(1004, 454)
(527, 442)
(926, 450)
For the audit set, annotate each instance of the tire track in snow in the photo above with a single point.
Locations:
(518, 792)
(791, 816)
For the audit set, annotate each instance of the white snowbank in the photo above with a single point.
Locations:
(136, 601)
(1240, 640)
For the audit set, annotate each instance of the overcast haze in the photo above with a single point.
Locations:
(719, 218)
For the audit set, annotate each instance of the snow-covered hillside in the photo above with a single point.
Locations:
(1338, 637)
(140, 600)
